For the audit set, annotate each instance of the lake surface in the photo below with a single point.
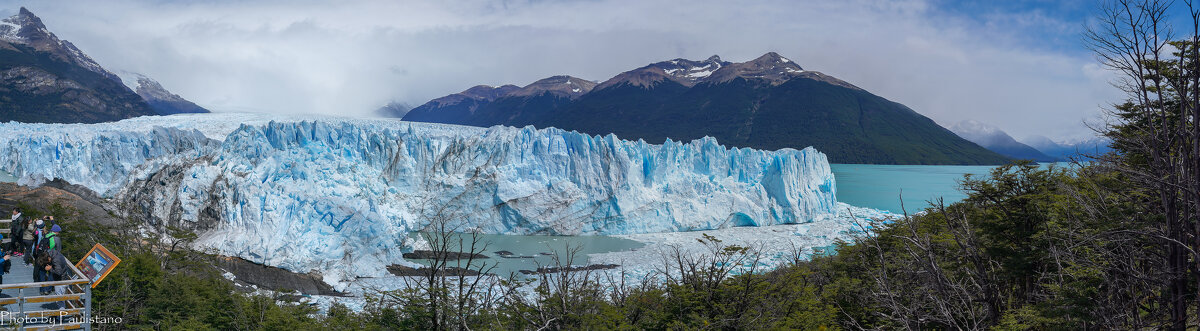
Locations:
(529, 252)
(880, 186)
(6, 177)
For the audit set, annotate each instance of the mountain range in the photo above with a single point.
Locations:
(998, 141)
(766, 103)
(159, 98)
(1066, 150)
(394, 109)
(48, 80)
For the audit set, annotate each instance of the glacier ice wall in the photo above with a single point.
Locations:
(340, 196)
(98, 157)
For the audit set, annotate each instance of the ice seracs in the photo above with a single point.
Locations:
(340, 196)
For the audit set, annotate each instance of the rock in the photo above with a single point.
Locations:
(427, 254)
(80, 190)
(510, 255)
(404, 271)
(550, 270)
(44, 197)
(273, 278)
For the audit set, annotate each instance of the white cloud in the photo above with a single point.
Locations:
(350, 57)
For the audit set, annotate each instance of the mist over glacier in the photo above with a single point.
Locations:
(340, 196)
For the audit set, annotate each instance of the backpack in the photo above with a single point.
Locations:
(44, 246)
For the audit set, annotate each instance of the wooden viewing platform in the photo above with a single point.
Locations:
(23, 308)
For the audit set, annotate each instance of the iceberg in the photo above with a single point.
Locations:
(340, 196)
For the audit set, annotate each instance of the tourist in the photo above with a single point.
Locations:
(5, 265)
(52, 240)
(41, 272)
(34, 250)
(58, 269)
(27, 239)
(15, 230)
(39, 233)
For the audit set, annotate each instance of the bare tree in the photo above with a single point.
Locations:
(921, 282)
(1156, 129)
(716, 266)
(563, 293)
(456, 283)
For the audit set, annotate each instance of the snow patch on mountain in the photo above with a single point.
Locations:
(8, 30)
(26, 28)
(974, 129)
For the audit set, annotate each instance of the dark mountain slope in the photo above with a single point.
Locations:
(163, 101)
(44, 79)
(767, 103)
(848, 124)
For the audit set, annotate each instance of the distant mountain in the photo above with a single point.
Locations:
(508, 104)
(160, 99)
(1068, 149)
(45, 79)
(767, 103)
(998, 141)
(393, 109)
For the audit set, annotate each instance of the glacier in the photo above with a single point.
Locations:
(340, 196)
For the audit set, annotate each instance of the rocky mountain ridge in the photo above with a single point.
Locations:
(770, 103)
(44, 79)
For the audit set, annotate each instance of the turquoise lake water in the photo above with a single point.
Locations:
(7, 177)
(880, 186)
(529, 252)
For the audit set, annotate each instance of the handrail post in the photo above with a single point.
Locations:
(21, 309)
(87, 307)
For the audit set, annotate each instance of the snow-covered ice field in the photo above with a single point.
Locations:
(340, 195)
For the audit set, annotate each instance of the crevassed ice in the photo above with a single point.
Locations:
(340, 196)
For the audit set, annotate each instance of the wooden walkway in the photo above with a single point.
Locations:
(22, 307)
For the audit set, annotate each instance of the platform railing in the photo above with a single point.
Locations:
(74, 312)
(6, 229)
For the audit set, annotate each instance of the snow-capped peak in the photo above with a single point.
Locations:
(972, 127)
(773, 60)
(771, 67)
(27, 29)
(561, 85)
(21, 27)
(682, 71)
(688, 71)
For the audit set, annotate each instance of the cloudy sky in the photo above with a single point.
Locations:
(1019, 65)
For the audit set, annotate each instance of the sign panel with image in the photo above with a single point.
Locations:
(97, 264)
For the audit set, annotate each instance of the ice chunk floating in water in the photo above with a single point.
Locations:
(340, 196)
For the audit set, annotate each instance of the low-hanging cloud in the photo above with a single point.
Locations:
(350, 57)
